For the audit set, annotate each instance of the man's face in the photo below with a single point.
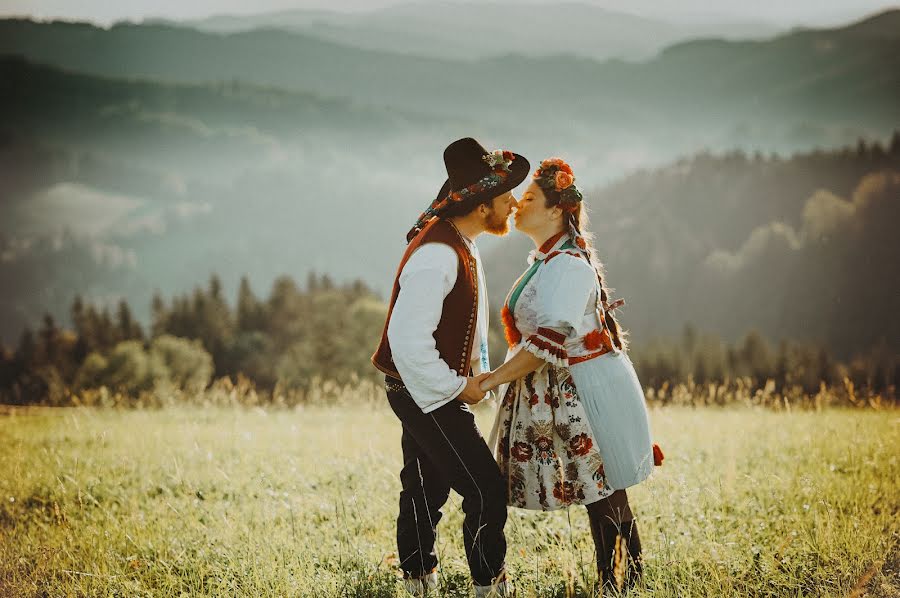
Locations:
(497, 217)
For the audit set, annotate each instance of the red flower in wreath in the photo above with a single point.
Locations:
(521, 452)
(657, 455)
(563, 180)
(559, 163)
(581, 444)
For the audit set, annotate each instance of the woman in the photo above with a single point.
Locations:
(572, 426)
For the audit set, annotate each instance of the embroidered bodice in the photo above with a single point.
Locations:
(554, 307)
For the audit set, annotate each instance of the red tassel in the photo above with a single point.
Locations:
(593, 340)
(657, 455)
(512, 334)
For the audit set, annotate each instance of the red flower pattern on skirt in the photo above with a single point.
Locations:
(581, 444)
(566, 492)
(546, 451)
(521, 451)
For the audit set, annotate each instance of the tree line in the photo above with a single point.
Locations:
(293, 336)
(327, 331)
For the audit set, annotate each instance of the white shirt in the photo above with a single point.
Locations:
(425, 281)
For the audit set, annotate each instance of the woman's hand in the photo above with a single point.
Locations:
(485, 384)
(519, 365)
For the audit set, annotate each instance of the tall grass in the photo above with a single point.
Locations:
(742, 391)
(213, 500)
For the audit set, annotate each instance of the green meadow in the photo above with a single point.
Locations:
(236, 501)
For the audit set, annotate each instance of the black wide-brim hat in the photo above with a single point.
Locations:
(465, 162)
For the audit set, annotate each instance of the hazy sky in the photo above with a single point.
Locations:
(780, 12)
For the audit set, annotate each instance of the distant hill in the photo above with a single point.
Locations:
(169, 153)
(211, 126)
(850, 74)
(801, 248)
(489, 29)
(147, 185)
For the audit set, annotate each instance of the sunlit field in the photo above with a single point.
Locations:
(239, 501)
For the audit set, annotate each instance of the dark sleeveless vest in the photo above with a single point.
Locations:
(455, 332)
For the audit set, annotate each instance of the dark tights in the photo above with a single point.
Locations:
(612, 509)
(616, 541)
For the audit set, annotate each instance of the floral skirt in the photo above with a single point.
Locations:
(545, 447)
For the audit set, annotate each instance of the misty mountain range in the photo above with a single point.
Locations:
(470, 30)
(147, 156)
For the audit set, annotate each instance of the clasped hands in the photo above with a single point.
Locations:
(476, 389)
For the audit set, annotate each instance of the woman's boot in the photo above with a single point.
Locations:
(618, 546)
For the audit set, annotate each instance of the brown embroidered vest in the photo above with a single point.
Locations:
(455, 332)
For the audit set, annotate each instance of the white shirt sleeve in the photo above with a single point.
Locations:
(427, 278)
(564, 292)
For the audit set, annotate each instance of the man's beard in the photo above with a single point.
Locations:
(496, 225)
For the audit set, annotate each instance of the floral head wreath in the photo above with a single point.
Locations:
(554, 174)
(498, 160)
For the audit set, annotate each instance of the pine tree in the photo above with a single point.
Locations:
(25, 352)
(214, 321)
(159, 315)
(129, 328)
(79, 320)
(49, 336)
(755, 356)
(107, 335)
(249, 310)
(895, 143)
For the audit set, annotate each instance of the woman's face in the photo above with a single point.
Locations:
(532, 214)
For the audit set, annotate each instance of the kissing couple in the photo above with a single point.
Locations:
(572, 424)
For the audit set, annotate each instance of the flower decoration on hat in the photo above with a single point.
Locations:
(499, 161)
(554, 174)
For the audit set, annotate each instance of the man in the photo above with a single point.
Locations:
(434, 342)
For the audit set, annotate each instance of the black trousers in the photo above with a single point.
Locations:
(442, 450)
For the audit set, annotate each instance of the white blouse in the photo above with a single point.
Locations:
(558, 307)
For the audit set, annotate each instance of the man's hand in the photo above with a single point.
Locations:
(472, 394)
